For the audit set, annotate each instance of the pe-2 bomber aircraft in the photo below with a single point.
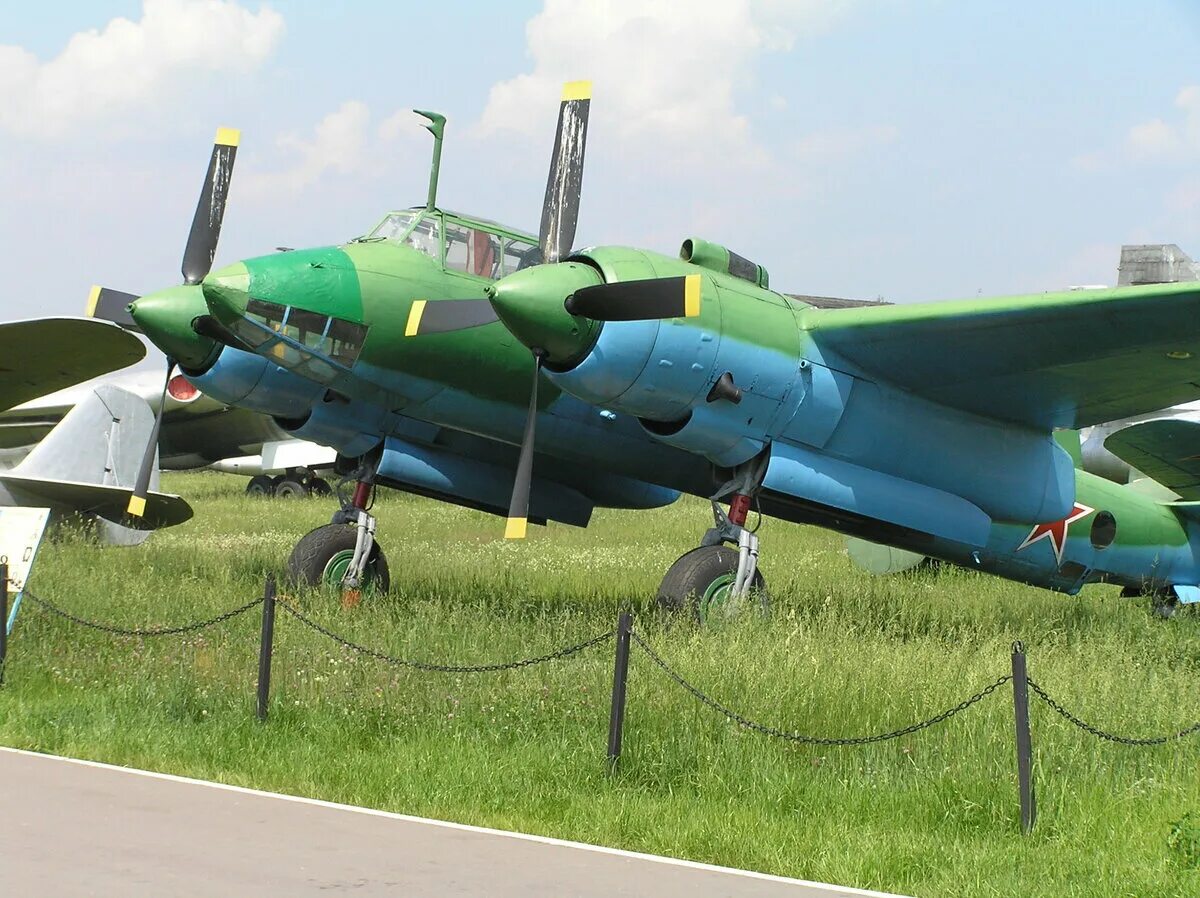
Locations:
(428, 350)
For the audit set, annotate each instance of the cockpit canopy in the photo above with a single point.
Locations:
(459, 243)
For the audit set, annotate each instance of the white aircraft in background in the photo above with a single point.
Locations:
(87, 461)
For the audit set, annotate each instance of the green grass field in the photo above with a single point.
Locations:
(843, 654)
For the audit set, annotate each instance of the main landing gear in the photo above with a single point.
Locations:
(296, 483)
(721, 577)
(344, 553)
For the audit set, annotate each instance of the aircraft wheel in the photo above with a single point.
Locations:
(322, 556)
(319, 486)
(290, 488)
(699, 582)
(260, 485)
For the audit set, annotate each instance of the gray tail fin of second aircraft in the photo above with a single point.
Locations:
(89, 463)
(1155, 263)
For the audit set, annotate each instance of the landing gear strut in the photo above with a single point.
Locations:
(722, 574)
(344, 553)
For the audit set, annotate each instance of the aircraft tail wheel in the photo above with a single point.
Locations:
(319, 486)
(699, 583)
(290, 488)
(322, 556)
(260, 485)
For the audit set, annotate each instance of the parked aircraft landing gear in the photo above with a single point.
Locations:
(343, 553)
(297, 483)
(721, 577)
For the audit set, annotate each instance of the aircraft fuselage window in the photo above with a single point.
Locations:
(393, 227)
(472, 251)
(321, 337)
(519, 254)
(426, 237)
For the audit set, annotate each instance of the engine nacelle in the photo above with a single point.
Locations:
(250, 381)
(352, 428)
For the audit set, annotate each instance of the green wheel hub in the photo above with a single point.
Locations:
(715, 596)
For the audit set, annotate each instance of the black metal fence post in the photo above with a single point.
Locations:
(1020, 683)
(3, 616)
(265, 646)
(616, 716)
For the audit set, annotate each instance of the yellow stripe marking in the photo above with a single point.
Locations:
(93, 298)
(577, 90)
(414, 317)
(691, 296)
(515, 528)
(136, 506)
(228, 137)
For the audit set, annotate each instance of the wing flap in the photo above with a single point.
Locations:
(1061, 360)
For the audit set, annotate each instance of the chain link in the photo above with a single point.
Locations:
(1101, 734)
(444, 668)
(816, 740)
(143, 631)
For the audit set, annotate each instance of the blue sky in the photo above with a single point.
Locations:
(911, 150)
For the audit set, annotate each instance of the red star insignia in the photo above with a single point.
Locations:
(1056, 531)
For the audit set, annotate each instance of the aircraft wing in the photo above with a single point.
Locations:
(47, 354)
(1065, 360)
(1165, 450)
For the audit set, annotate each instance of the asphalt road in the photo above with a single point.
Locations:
(78, 828)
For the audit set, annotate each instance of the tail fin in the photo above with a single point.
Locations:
(89, 462)
(1155, 263)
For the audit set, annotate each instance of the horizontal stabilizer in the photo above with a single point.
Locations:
(48, 354)
(108, 502)
(1166, 450)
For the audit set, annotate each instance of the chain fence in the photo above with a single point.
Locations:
(142, 632)
(625, 635)
(815, 740)
(1103, 734)
(444, 668)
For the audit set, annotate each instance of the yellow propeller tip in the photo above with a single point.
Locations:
(577, 90)
(93, 298)
(136, 506)
(691, 296)
(414, 317)
(515, 528)
(228, 137)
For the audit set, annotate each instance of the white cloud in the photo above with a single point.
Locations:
(663, 71)
(344, 142)
(1159, 139)
(127, 65)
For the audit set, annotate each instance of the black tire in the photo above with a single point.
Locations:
(260, 485)
(319, 486)
(322, 553)
(291, 488)
(694, 577)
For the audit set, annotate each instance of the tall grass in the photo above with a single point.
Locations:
(842, 654)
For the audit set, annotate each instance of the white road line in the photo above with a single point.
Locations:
(407, 818)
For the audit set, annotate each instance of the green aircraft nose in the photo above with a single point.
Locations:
(227, 291)
(530, 303)
(166, 316)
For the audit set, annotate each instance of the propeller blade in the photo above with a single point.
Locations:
(141, 488)
(446, 315)
(560, 208)
(518, 506)
(111, 305)
(638, 300)
(210, 210)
